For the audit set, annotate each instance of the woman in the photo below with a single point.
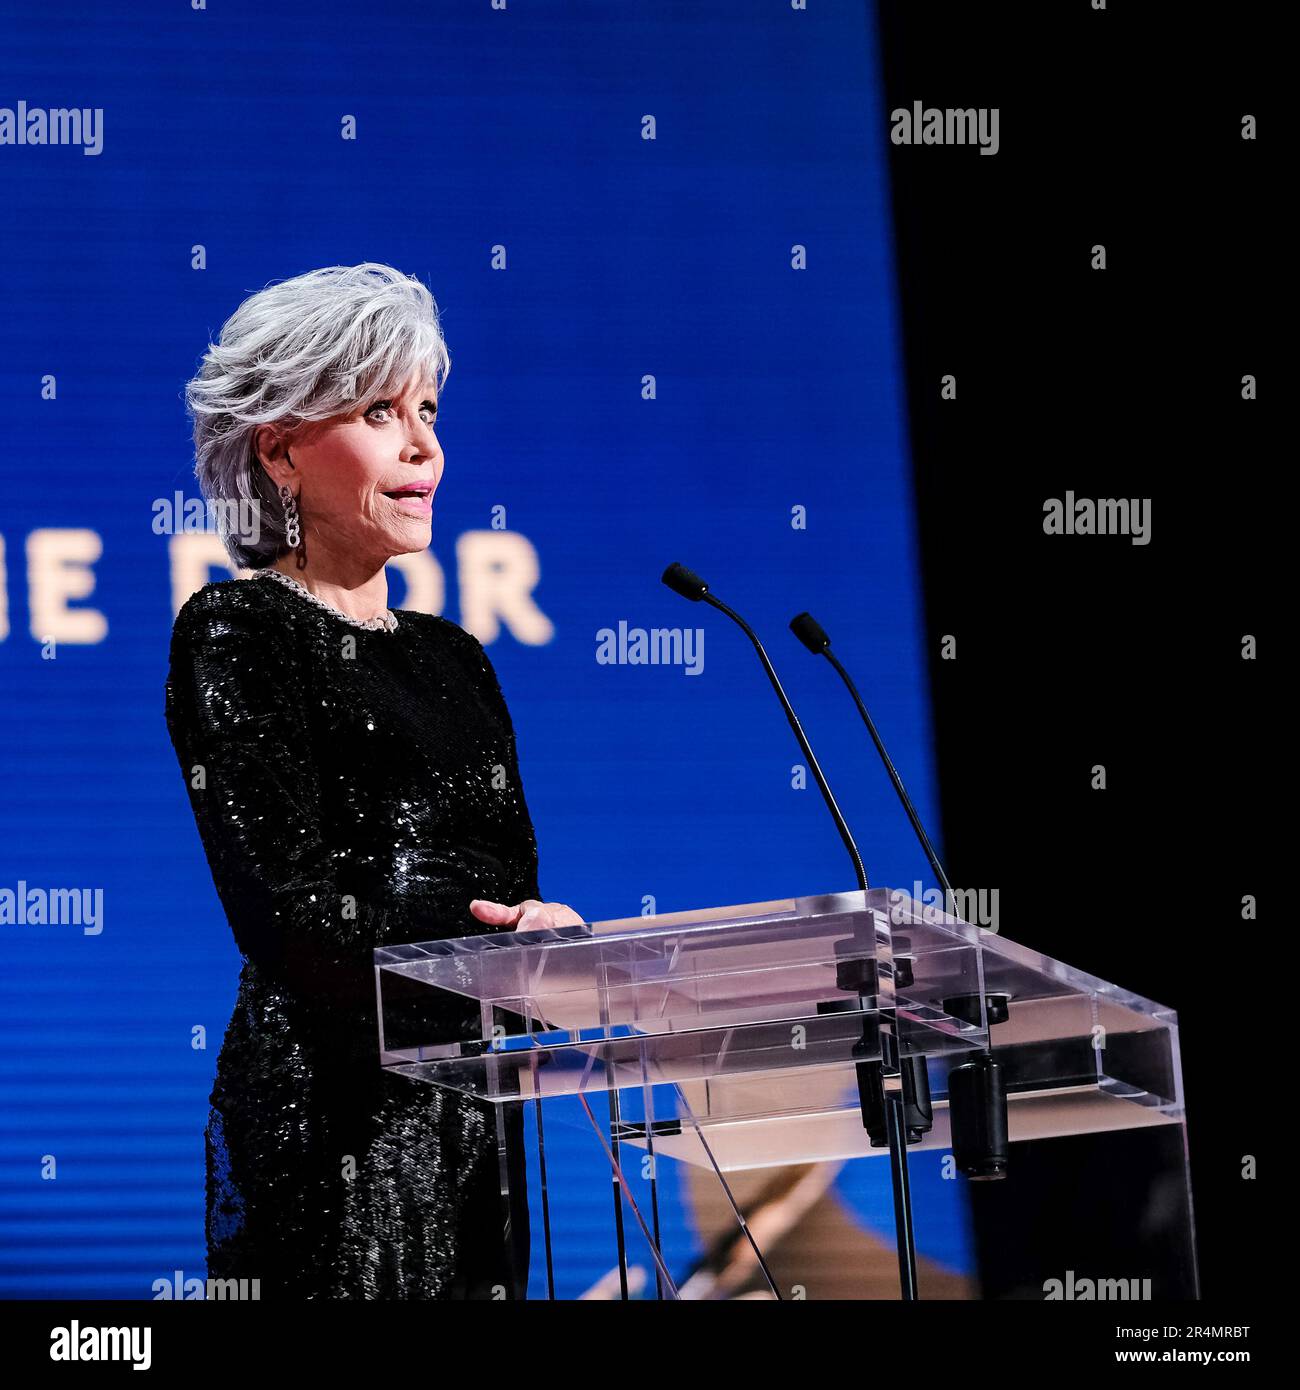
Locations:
(354, 779)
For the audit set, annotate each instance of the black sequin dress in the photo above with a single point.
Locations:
(352, 788)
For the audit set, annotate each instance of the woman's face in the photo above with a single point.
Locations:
(366, 479)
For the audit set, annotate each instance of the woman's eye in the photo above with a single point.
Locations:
(388, 405)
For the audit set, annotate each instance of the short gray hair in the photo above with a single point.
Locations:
(303, 349)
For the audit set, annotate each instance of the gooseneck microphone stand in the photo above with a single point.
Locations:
(878, 1098)
(809, 631)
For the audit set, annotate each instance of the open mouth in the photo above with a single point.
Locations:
(416, 498)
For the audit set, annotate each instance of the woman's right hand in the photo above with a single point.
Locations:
(529, 915)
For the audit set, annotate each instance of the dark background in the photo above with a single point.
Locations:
(1119, 127)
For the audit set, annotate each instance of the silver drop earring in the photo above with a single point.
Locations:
(292, 531)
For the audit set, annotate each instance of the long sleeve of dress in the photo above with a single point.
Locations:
(237, 719)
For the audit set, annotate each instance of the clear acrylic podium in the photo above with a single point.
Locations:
(755, 1048)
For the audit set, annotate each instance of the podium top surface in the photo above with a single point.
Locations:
(758, 942)
(701, 921)
(771, 1007)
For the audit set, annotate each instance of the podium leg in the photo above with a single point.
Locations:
(617, 1176)
(546, 1198)
(731, 1200)
(903, 1229)
(513, 1161)
(648, 1105)
(620, 1186)
(882, 1096)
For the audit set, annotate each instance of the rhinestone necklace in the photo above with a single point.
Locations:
(388, 623)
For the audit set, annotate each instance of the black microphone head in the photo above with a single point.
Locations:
(685, 582)
(809, 631)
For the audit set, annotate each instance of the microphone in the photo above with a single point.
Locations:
(685, 582)
(690, 586)
(811, 633)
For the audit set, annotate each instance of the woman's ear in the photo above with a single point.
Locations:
(272, 449)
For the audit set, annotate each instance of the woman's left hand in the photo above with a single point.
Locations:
(529, 915)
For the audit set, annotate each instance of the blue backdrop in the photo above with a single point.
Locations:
(659, 237)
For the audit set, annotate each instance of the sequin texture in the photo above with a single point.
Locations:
(351, 789)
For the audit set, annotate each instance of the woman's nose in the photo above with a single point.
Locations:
(424, 441)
